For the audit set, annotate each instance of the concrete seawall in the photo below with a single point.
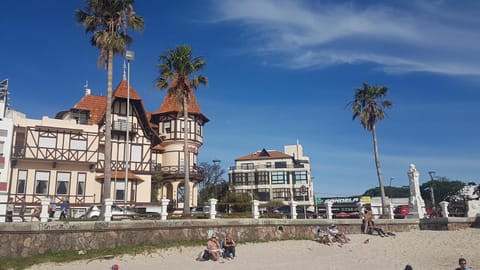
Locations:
(31, 238)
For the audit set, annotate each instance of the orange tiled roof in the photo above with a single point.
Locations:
(95, 104)
(171, 104)
(264, 154)
(122, 90)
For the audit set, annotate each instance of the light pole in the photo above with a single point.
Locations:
(129, 56)
(391, 179)
(216, 163)
(432, 173)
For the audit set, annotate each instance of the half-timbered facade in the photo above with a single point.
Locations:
(64, 157)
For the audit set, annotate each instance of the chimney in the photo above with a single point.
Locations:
(87, 90)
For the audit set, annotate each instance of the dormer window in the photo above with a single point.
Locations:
(167, 127)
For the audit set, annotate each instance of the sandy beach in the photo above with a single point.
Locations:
(421, 249)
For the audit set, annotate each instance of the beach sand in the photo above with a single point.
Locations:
(422, 249)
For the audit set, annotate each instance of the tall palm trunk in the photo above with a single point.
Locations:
(379, 173)
(186, 157)
(108, 130)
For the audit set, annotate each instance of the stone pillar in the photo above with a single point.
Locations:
(473, 208)
(390, 212)
(213, 205)
(444, 208)
(44, 212)
(415, 202)
(164, 203)
(255, 212)
(293, 209)
(328, 208)
(108, 210)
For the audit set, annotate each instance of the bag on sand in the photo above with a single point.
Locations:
(206, 255)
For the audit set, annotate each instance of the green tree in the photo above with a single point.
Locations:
(368, 106)
(443, 190)
(177, 69)
(212, 185)
(108, 21)
(392, 192)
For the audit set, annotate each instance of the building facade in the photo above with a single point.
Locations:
(63, 157)
(273, 175)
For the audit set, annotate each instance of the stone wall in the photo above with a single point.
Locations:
(31, 238)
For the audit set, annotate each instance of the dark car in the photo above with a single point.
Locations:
(401, 211)
(284, 212)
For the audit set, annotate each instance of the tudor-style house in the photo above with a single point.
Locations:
(273, 175)
(64, 157)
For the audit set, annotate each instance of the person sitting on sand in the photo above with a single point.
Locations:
(463, 264)
(335, 235)
(213, 247)
(372, 228)
(229, 247)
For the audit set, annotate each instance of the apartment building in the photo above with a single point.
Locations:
(274, 175)
(64, 157)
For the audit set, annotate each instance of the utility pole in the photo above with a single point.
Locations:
(432, 173)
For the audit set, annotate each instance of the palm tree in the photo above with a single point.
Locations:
(368, 107)
(109, 20)
(176, 75)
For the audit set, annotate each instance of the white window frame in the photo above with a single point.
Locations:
(136, 154)
(41, 177)
(22, 177)
(63, 178)
(81, 180)
(47, 142)
(76, 144)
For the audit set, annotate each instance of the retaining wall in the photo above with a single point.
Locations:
(19, 239)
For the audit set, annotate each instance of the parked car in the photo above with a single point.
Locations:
(200, 210)
(354, 214)
(148, 211)
(401, 211)
(117, 212)
(284, 212)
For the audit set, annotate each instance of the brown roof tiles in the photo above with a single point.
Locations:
(264, 154)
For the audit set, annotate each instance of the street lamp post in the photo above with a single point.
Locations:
(129, 56)
(216, 163)
(391, 179)
(432, 173)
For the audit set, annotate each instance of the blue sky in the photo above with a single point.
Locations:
(281, 71)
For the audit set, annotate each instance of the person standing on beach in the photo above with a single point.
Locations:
(52, 207)
(10, 209)
(23, 209)
(463, 264)
(64, 209)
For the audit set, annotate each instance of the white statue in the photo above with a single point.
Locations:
(416, 203)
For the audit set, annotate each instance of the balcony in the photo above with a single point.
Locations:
(121, 127)
(178, 172)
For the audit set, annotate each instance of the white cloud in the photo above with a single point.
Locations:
(421, 37)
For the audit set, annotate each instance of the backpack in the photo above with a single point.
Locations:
(206, 255)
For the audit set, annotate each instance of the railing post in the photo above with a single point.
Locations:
(328, 208)
(213, 204)
(255, 212)
(444, 207)
(164, 213)
(108, 210)
(390, 212)
(293, 209)
(44, 212)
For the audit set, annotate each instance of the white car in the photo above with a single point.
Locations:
(117, 212)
